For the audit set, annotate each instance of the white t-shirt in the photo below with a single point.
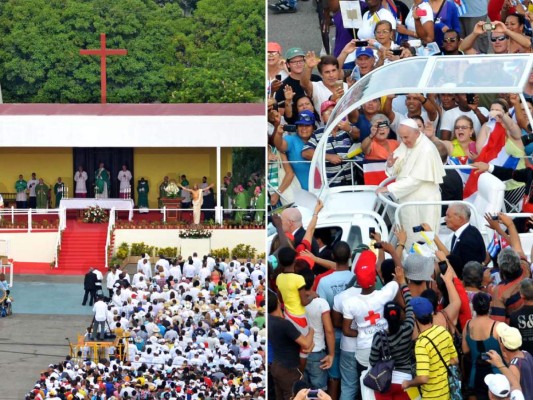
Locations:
(321, 93)
(367, 311)
(348, 343)
(100, 311)
(366, 31)
(449, 117)
(314, 311)
(410, 21)
(189, 271)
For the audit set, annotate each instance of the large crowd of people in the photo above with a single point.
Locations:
(455, 313)
(186, 329)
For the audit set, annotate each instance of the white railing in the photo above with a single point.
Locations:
(110, 227)
(219, 212)
(11, 213)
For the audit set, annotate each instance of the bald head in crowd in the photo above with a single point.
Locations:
(291, 219)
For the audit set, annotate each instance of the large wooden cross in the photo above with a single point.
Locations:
(103, 52)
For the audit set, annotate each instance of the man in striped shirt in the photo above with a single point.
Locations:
(431, 373)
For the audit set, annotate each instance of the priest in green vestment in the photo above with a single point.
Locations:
(162, 191)
(20, 186)
(142, 194)
(260, 205)
(241, 202)
(41, 194)
(102, 182)
(59, 188)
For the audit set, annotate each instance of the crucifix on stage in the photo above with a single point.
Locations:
(103, 52)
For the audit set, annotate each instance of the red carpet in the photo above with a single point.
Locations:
(82, 246)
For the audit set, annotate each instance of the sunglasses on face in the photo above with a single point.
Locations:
(385, 32)
(499, 38)
(306, 118)
(450, 40)
(297, 62)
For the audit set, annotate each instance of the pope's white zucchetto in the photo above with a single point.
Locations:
(411, 123)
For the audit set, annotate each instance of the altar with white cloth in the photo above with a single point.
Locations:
(108, 204)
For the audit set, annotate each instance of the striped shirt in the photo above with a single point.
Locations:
(428, 362)
(338, 144)
(400, 343)
(506, 299)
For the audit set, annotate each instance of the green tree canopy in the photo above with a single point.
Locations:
(176, 52)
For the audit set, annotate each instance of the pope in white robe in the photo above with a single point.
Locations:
(418, 169)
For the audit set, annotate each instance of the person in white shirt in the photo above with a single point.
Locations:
(100, 318)
(80, 177)
(147, 269)
(164, 263)
(331, 87)
(242, 275)
(175, 272)
(189, 270)
(371, 17)
(366, 310)
(256, 276)
(110, 280)
(211, 262)
(124, 177)
(197, 262)
(222, 264)
(204, 273)
(236, 263)
(99, 280)
(478, 115)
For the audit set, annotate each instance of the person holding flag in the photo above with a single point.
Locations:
(462, 149)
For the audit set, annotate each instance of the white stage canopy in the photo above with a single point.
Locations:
(132, 125)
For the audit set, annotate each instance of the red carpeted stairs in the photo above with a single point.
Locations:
(82, 246)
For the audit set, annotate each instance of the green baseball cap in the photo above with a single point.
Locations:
(294, 52)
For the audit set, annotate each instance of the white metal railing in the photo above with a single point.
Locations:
(110, 227)
(11, 213)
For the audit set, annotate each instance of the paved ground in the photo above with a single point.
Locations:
(46, 311)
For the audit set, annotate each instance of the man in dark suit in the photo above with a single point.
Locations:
(323, 239)
(291, 219)
(466, 243)
(89, 285)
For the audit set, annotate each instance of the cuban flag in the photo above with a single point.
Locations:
(492, 153)
(461, 7)
(374, 172)
(496, 245)
(463, 160)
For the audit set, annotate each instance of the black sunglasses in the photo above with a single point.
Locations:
(499, 38)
